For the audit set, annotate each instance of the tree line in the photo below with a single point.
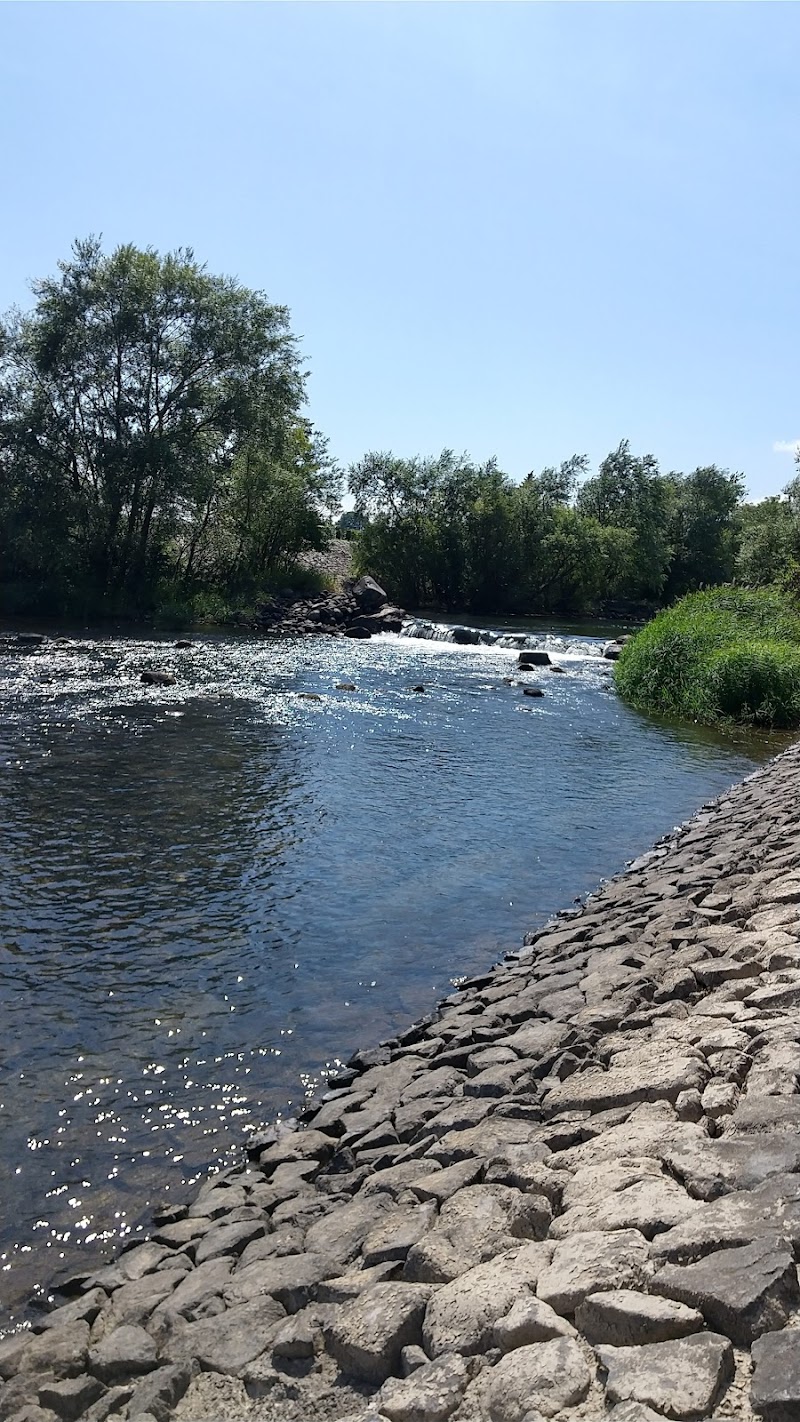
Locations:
(448, 532)
(156, 453)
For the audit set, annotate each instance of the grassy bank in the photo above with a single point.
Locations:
(730, 654)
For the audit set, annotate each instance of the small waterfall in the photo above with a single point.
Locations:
(460, 635)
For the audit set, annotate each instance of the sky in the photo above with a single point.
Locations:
(520, 230)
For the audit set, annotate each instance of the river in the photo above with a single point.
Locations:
(211, 891)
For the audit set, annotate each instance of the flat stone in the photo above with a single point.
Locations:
(71, 1398)
(125, 1353)
(735, 1220)
(85, 1308)
(228, 1239)
(431, 1393)
(741, 1292)
(345, 1287)
(475, 1224)
(229, 1341)
(340, 1234)
(461, 1315)
(368, 1334)
(681, 1379)
(762, 1115)
(625, 1317)
(291, 1279)
(296, 1338)
(542, 1378)
(136, 1301)
(393, 1237)
(162, 1390)
(632, 1077)
(775, 1389)
(194, 1290)
(529, 1320)
(586, 1263)
(440, 1184)
(61, 1351)
(651, 1206)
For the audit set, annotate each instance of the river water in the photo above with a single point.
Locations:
(211, 891)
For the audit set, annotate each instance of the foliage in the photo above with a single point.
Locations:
(445, 531)
(723, 654)
(151, 432)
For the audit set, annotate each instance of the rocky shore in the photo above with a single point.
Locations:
(572, 1193)
(359, 610)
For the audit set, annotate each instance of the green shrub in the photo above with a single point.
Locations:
(729, 654)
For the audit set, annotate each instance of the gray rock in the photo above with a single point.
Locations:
(340, 1234)
(475, 1224)
(356, 1281)
(297, 1337)
(393, 1237)
(529, 1320)
(735, 1220)
(542, 1378)
(71, 1398)
(431, 1393)
(226, 1239)
(125, 1353)
(440, 1184)
(292, 1280)
(231, 1340)
(460, 1317)
(741, 1292)
(194, 1290)
(85, 1308)
(775, 1389)
(369, 1333)
(61, 1351)
(624, 1317)
(586, 1263)
(162, 1390)
(682, 1379)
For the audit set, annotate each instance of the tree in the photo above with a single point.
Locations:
(130, 399)
(628, 493)
(702, 528)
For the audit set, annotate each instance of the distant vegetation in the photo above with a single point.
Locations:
(154, 453)
(450, 533)
(726, 654)
(156, 457)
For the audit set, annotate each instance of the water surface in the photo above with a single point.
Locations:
(210, 891)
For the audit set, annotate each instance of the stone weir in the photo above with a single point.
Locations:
(573, 1192)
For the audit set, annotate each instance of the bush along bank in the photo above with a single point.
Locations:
(572, 1192)
(729, 654)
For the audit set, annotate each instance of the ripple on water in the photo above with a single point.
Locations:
(211, 891)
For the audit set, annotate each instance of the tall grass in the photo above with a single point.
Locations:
(730, 654)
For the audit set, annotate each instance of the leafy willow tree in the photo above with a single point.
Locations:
(151, 430)
(448, 532)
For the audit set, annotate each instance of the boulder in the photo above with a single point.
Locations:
(368, 1335)
(368, 594)
(775, 1389)
(586, 1263)
(461, 1316)
(681, 1379)
(543, 1379)
(149, 677)
(126, 1353)
(741, 1292)
(625, 1317)
(430, 1393)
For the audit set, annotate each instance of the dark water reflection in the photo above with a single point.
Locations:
(210, 891)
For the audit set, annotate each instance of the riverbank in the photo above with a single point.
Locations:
(574, 1186)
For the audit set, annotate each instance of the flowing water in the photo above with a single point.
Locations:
(211, 891)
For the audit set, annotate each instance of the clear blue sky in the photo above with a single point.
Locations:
(521, 230)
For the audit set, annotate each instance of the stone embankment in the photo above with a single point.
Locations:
(572, 1193)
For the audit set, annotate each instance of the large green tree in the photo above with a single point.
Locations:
(134, 399)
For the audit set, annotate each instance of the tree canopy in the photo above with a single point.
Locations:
(152, 431)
